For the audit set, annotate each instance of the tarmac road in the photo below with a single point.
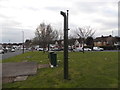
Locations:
(11, 54)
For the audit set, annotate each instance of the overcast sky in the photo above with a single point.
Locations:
(25, 15)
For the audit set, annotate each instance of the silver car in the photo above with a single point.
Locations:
(1, 51)
(87, 49)
(77, 49)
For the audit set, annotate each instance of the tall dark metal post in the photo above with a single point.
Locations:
(23, 40)
(65, 44)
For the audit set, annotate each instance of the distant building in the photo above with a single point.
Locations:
(106, 41)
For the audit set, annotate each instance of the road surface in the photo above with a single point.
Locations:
(11, 54)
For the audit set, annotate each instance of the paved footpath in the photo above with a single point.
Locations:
(19, 71)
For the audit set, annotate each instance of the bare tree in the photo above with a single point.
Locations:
(85, 32)
(71, 41)
(45, 34)
(27, 43)
(90, 42)
(61, 35)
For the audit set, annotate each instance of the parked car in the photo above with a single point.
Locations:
(97, 49)
(5, 50)
(29, 49)
(8, 49)
(39, 49)
(12, 50)
(23, 48)
(1, 51)
(87, 49)
(77, 49)
(56, 49)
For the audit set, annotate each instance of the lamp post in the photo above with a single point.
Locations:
(65, 43)
(23, 40)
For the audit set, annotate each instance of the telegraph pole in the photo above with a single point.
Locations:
(65, 44)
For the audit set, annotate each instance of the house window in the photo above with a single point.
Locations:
(99, 42)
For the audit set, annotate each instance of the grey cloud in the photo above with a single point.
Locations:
(4, 0)
(106, 33)
(101, 9)
(107, 24)
(32, 8)
(10, 30)
(2, 6)
(4, 16)
(12, 34)
(56, 8)
(111, 24)
(10, 23)
(87, 7)
(109, 13)
(15, 34)
(95, 7)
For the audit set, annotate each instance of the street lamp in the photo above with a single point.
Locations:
(65, 43)
(23, 40)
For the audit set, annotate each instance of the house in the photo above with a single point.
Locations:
(106, 41)
(117, 41)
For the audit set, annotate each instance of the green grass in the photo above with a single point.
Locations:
(38, 57)
(88, 70)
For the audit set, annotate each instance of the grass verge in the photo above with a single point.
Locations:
(88, 70)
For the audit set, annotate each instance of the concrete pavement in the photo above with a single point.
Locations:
(19, 69)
